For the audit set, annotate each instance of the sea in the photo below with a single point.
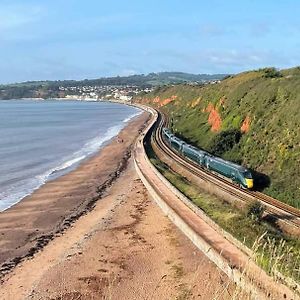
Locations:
(42, 140)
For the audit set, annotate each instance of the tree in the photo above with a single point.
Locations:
(225, 141)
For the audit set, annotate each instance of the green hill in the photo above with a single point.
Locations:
(252, 118)
(179, 77)
(50, 89)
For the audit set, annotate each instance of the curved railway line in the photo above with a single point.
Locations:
(277, 209)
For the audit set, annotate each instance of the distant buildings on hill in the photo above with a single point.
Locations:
(110, 92)
(105, 92)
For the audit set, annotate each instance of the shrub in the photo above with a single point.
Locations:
(271, 73)
(225, 141)
(256, 210)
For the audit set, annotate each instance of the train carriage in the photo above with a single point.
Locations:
(236, 173)
(176, 143)
(194, 154)
(167, 134)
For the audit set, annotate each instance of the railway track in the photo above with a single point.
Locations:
(277, 209)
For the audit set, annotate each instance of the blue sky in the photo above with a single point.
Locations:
(75, 39)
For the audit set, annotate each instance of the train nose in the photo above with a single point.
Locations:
(249, 183)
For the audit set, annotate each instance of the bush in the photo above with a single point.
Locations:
(271, 73)
(225, 141)
(256, 211)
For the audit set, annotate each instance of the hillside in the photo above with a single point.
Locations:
(50, 89)
(252, 118)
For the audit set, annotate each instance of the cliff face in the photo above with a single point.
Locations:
(252, 118)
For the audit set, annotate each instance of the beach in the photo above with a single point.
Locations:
(95, 233)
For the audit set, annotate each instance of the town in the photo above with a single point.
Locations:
(123, 93)
(104, 92)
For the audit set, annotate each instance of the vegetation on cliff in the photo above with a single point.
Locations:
(251, 118)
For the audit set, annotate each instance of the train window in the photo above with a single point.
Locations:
(247, 174)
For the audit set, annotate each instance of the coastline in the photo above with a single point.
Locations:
(121, 247)
(62, 163)
(77, 98)
(29, 225)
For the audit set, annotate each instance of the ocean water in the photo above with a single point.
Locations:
(41, 140)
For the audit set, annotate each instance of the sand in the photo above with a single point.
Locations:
(96, 234)
(33, 222)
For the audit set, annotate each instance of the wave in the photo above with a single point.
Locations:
(15, 193)
(67, 164)
(131, 117)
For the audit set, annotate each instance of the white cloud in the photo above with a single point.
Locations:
(238, 58)
(212, 30)
(128, 72)
(15, 17)
(260, 29)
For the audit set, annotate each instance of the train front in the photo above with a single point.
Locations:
(248, 179)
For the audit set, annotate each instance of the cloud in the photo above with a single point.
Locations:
(234, 57)
(219, 60)
(260, 29)
(212, 30)
(13, 19)
(128, 72)
(243, 59)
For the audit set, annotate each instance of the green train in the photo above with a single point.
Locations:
(236, 173)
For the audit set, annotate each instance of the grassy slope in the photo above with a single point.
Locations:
(273, 250)
(272, 144)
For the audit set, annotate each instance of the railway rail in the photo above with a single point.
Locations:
(277, 209)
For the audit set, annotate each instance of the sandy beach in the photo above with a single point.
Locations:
(96, 234)
(38, 218)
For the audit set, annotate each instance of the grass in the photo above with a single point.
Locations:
(274, 252)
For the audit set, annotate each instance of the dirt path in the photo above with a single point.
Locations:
(123, 249)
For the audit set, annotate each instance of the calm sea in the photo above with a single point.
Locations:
(41, 140)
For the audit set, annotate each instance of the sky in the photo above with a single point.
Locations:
(76, 39)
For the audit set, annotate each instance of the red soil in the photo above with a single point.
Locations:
(214, 118)
(167, 100)
(246, 125)
(156, 100)
(162, 102)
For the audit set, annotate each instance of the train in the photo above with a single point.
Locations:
(234, 172)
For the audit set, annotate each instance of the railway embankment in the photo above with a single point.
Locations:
(235, 262)
(282, 219)
(247, 119)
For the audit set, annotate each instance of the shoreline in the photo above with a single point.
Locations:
(30, 224)
(70, 162)
(124, 248)
(86, 99)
